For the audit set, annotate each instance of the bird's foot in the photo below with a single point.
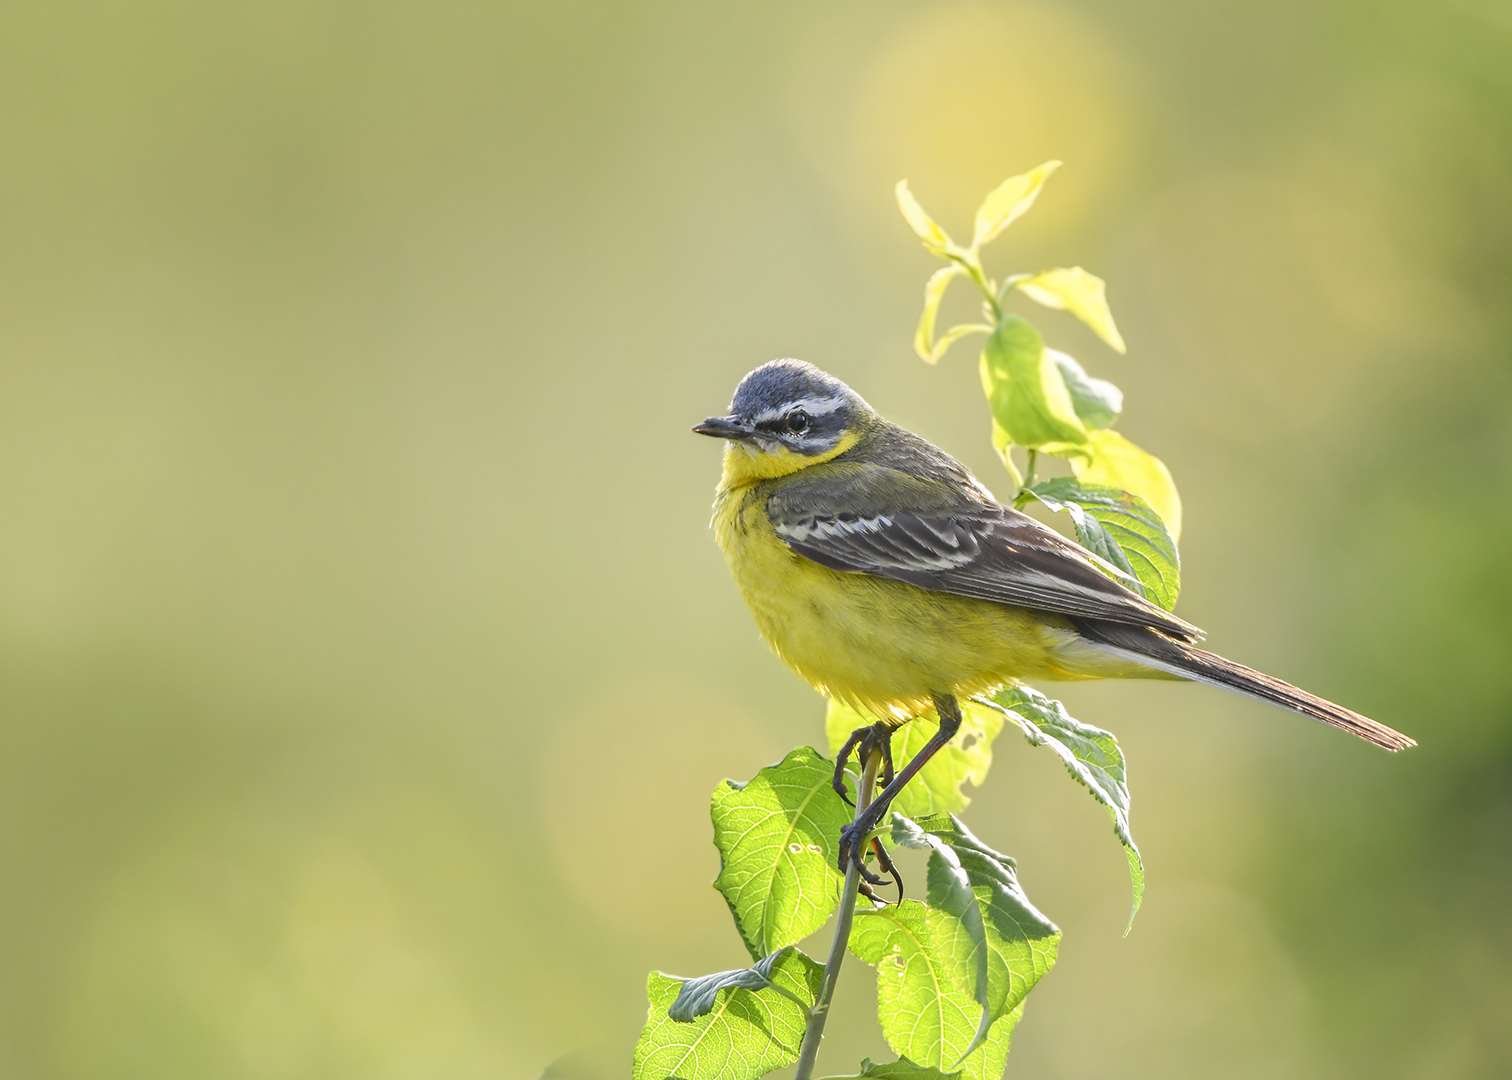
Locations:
(876, 736)
(856, 837)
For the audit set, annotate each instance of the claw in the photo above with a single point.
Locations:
(884, 860)
(838, 782)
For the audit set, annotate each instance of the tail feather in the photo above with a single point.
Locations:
(1152, 649)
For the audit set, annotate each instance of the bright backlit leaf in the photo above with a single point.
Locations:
(936, 242)
(926, 345)
(1121, 528)
(1000, 944)
(939, 786)
(1008, 201)
(745, 1033)
(1030, 403)
(926, 1015)
(699, 996)
(777, 840)
(1082, 294)
(1113, 461)
(1096, 401)
(934, 293)
(902, 1069)
(1092, 756)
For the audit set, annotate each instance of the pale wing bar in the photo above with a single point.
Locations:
(991, 553)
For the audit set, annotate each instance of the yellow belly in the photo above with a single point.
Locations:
(882, 646)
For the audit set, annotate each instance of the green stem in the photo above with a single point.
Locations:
(1031, 460)
(813, 1032)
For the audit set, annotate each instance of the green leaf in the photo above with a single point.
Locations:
(1030, 403)
(1000, 943)
(747, 1033)
(929, 349)
(939, 786)
(1121, 528)
(934, 293)
(926, 1015)
(777, 839)
(1113, 461)
(936, 242)
(1096, 401)
(699, 995)
(1092, 757)
(1091, 535)
(1082, 294)
(1008, 201)
(902, 1069)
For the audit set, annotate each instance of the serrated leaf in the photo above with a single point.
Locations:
(902, 1069)
(1026, 392)
(698, 995)
(1082, 294)
(1001, 944)
(925, 1014)
(1091, 755)
(777, 837)
(746, 1034)
(935, 239)
(1096, 401)
(1007, 202)
(1121, 528)
(1115, 462)
(1091, 535)
(939, 787)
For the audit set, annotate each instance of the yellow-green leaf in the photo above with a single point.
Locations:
(1097, 401)
(935, 239)
(1118, 463)
(1008, 201)
(1082, 294)
(747, 1033)
(940, 785)
(1030, 403)
(954, 334)
(930, 350)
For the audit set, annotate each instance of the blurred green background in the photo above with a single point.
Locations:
(365, 659)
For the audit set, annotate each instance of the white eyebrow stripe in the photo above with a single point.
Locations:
(812, 406)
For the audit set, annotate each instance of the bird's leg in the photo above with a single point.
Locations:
(838, 783)
(854, 836)
(861, 735)
(884, 860)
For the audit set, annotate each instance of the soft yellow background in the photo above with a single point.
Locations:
(366, 662)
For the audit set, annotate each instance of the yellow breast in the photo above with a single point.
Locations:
(882, 646)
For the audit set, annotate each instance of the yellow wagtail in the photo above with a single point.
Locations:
(886, 575)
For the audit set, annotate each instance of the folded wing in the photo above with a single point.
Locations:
(952, 538)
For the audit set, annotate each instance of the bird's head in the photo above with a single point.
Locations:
(787, 415)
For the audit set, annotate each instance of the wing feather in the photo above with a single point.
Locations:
(958, 542)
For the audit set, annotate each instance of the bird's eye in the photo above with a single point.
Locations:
(797, 421)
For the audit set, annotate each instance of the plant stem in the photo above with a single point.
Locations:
(1031, 459)
(813, 1032)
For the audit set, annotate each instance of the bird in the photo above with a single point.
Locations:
(887, 576)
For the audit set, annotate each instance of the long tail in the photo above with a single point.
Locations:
(1152, 649)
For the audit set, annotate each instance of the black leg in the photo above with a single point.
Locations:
(854, 836)
(884, 860)
(867, 737)
(887, 762)
(838, 783)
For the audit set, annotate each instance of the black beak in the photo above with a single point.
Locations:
(722, 427)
